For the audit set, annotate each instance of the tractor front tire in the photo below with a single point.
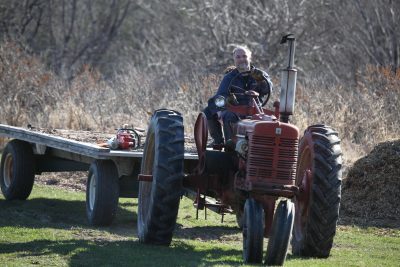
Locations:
(239, 209)
(102, 193)
(253, 231)
(239, 218)
(319, 180)
(163, 157)
(281, 232)
(17, 170)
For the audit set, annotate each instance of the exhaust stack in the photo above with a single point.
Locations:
(288, 82)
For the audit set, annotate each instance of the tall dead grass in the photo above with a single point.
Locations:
(364, 114)
(28, 90)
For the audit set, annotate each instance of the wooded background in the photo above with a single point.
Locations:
(335, 38)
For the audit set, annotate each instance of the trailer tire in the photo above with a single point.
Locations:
(281, 232)
(319, 179)
(17, 170)
(102, 193)
(163, 157)
(253, 231)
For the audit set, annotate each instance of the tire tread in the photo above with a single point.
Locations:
(325, 197)
(161, 221)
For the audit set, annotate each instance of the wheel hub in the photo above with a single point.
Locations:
(8, 170)
(92, 192)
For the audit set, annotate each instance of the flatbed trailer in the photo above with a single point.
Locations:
(112, 173)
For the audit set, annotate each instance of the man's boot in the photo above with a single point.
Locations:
(228, 133)
(215, 129)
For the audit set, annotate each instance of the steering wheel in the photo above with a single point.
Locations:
(266, 99)
(268, 95)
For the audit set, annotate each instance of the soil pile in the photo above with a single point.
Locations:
(371, 191)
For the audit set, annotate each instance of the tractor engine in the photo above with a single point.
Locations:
(267, 152)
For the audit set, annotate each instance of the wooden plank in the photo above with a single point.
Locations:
(72, 146)
(48, 140)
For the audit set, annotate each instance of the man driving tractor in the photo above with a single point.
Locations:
(237, 81)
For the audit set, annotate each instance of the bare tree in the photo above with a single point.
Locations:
(353, 34)
(179, 37)
(376, 34)
(68, 33)
(82, 31)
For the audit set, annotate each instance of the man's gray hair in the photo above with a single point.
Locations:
(242, 47)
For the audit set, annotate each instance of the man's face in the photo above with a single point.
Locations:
(242, 60)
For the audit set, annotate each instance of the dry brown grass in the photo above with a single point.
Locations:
(28, 90)
(364, 115)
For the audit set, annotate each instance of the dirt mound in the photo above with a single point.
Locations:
(371, 191)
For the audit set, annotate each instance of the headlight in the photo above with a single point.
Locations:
(220, 101)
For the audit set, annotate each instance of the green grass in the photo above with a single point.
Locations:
(50, 229)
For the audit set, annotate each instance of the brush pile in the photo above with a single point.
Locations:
(371, 191)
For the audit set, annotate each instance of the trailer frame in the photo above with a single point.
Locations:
(53, 153)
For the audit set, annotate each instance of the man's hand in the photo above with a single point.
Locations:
(231, 99)
(257, 74)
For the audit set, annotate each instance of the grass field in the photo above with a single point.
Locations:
(50, 229)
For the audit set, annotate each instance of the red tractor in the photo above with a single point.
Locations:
(280, 186)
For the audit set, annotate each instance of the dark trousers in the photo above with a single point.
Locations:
(227, 117)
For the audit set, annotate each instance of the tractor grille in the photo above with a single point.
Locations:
(272, 159)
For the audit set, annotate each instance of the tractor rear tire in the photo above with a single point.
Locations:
(319, 178)
(17, 170)
(253, 231)
(163, 157)
(102, 193)
(281, 232)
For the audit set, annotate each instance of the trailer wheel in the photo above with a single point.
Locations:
(281, 232)
(319, 180)
(253, 231)
(17, 170)
(102, 192)
(163, 157)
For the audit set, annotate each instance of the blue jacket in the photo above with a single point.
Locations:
(238, 83)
